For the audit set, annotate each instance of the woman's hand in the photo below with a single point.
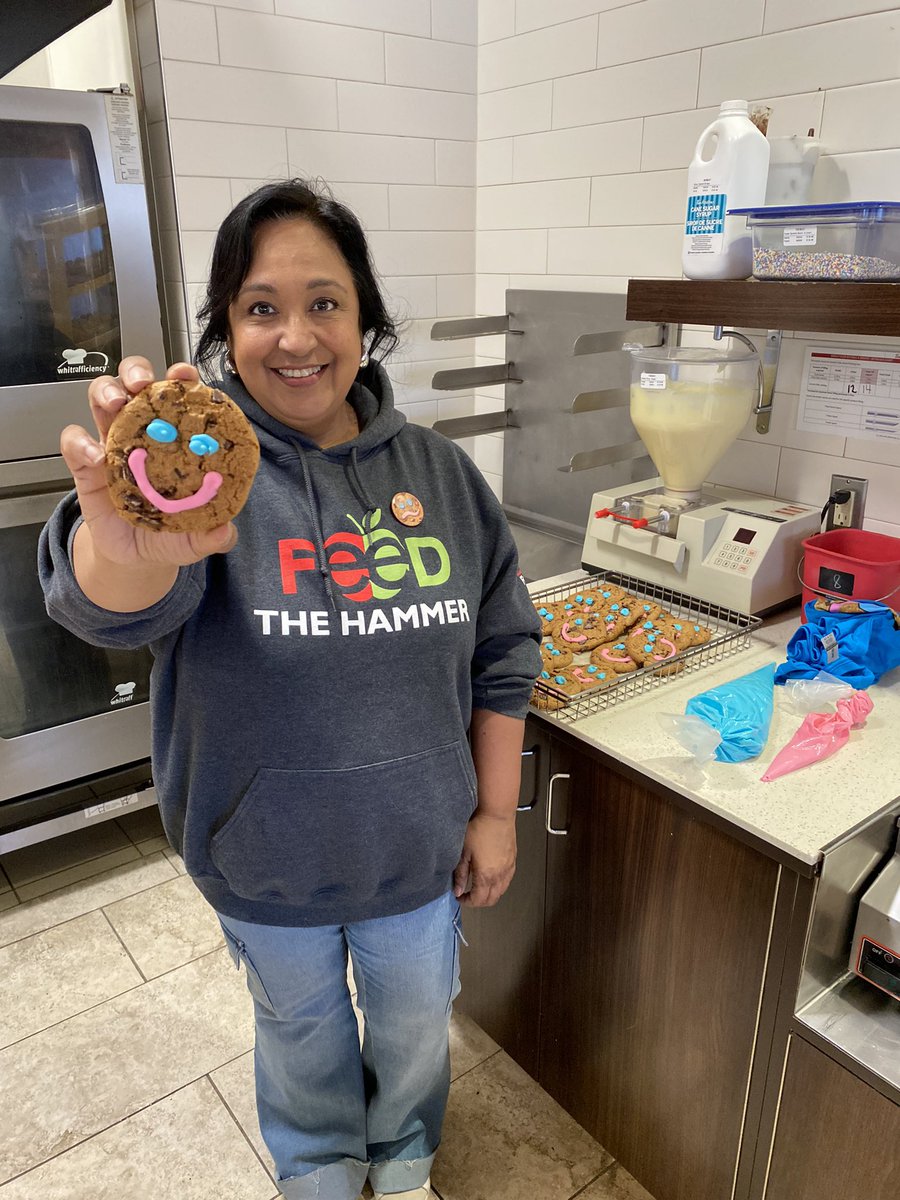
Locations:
(488, 860)
(113, 539)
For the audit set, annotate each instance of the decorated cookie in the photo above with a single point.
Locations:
(700, 634)
(617, 614)
(549, 615)
(671, 668)
(614, 656)
(548, 701)
(583, 631)
(643, 610)
(180, 457)
(555, 655)
(591, 676)
(609, 592)
(586, 600)
(678, 631)
(651, 642)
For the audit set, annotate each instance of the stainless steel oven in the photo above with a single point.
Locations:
(78, 289)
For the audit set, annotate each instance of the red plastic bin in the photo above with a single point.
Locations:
(852, 564)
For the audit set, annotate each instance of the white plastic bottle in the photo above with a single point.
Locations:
(728, 170)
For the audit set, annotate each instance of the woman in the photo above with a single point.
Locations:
(318, 666)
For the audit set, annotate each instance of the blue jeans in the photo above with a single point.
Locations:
(333, 1114)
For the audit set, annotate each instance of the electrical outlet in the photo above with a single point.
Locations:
(848, 515)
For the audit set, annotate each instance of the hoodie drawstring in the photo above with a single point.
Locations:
(359, 488)
(317, 524)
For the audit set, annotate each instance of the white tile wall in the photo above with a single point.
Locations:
(546, 54)
(300, 47)
(837, 54)
(659, 27)
(587, 115)
(568, 153)
(431, 208)
(497, 19)
(405, 111)
(457, 22)
(538, 14)
(215, 93)
(633, 90)
(515, 110)
(391, 16)
(625, 126)
(797, 14)
(376, 97)
(430, 63)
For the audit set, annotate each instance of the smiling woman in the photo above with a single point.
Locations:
(294, 333)
(339, 685)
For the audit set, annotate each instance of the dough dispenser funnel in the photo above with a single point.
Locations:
(689, 405)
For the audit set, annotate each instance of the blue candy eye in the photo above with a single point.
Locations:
(202, 443)
(162, 431)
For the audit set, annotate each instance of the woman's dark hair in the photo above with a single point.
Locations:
(233, 252)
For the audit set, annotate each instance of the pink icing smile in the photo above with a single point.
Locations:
(672, 647)
(619, 658)
(565, 633)
(137, 461)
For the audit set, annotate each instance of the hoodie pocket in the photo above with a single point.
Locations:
(318, 837)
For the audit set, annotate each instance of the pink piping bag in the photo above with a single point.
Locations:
(820, 736)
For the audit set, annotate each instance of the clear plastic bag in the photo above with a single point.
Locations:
(819, 694)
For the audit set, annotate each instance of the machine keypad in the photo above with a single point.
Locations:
(734, 557)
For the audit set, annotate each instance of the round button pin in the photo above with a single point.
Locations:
(407, 508)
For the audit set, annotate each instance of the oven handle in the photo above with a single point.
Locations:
(29, 510)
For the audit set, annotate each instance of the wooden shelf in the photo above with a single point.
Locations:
(866, 308)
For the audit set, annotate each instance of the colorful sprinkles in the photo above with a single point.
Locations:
(771, 263)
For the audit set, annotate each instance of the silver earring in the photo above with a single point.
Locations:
(364, 361)
(230, 368)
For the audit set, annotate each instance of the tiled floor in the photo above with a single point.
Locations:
(126, 1061)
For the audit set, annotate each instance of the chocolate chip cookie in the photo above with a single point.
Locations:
(180, 457)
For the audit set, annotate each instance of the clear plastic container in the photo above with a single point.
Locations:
(689, 406)
(858, 241)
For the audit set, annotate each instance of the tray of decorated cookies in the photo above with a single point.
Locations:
(610, 637)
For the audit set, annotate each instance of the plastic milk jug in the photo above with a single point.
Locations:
(728, 170)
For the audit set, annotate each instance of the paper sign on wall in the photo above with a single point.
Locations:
(851, 391)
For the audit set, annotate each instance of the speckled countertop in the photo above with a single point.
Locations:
(802, 813)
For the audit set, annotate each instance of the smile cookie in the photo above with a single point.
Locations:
(555, 656)
(651, 642)
(614, 656)
(180, 457)
(583, 631)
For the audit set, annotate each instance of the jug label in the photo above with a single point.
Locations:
(706, 214)
(652, 380)
(800, 235)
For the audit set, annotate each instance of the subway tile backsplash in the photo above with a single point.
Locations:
(488, 144)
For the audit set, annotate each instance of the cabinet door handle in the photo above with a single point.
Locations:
(528, 807)
(549, 821)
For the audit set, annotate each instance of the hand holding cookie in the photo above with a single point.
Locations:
(117, 540)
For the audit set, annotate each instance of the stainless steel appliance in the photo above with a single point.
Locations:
(77, 289)
(876, 939)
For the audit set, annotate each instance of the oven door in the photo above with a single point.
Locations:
(67, 710)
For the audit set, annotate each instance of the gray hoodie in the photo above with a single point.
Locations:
(312, 689)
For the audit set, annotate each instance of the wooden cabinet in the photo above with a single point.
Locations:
(656, 934)
(837, 1138)
(623, 970)
(500, 970)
